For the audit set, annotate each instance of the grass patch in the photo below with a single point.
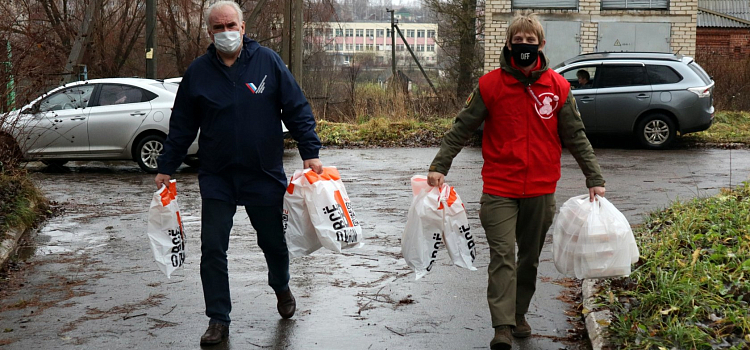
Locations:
(691, 287)
(382, 132)
(17, 193)
(728, 127)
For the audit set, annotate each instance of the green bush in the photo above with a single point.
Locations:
(691, 287)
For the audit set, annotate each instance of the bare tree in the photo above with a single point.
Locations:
(457, 37)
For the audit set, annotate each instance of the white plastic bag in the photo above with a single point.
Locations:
(301, 238)
(593, 240)
(165, 230)
(436, 217)
(328, 209)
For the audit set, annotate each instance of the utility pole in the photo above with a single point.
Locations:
(393, 43)
(291, 37)
(286, 33)
(296, 65)
(151, 39)
(416, 60)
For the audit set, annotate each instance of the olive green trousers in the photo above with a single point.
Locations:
(507, 222)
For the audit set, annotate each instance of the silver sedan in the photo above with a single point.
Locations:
(100, 119)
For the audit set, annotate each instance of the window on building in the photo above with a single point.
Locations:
(400, 47)
(329, 47)
(329, 33)
(370, 47)
(308, 46)
(550, 4)
(359, 47)
(349, 32)
(635, 4)
(370, 33)
(339, 47)
(387, 33)
(380, 32)
(420, 34)
(430, 48)
(420, 48)
(339, 32)
(360, 33)
(349, 47)
(410, 33)
(430, 33)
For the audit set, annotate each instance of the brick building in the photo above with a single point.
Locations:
(573, 27)
(724, 28)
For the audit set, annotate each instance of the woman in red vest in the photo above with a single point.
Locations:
(527, 110)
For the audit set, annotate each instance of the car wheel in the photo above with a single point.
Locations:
(148, 151)
(656, 131)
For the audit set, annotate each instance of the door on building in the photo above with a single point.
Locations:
(563, 40)
(633, 36)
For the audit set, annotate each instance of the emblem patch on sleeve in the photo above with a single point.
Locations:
(468, 100)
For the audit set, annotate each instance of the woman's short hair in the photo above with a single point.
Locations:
(525, 22)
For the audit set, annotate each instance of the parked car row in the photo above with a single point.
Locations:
(652, 96)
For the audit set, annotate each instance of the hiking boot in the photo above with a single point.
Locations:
(215, 334)
(286, 304)
(522, 328)
(502, 339)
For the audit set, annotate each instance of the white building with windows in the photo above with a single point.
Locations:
(573, 27)
(344, 40)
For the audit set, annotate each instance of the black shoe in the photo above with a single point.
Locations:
(215, 334)
(286, 304)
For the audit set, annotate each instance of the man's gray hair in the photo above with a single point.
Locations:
(220, 4)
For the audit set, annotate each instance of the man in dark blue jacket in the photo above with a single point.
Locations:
(237, 95)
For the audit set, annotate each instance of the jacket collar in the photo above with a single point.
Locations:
(505, 64)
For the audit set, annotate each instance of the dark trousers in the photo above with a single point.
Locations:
(507, 222)
(216, 223)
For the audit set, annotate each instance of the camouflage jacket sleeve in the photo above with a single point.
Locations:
(467, 121)
(572, 133)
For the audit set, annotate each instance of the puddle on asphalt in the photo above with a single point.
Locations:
(63, 234)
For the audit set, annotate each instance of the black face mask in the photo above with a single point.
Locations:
(524, 55)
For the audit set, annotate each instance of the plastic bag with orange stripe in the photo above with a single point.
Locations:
(436, 217)
(165, 229)
(318, 212)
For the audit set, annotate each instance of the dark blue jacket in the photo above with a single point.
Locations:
(239, 117)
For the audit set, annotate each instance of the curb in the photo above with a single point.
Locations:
(8, 244)
(10, 239)
(596, 321)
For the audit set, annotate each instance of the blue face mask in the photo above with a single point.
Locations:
(524, 55)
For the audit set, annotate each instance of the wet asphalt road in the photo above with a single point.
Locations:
(91, 283)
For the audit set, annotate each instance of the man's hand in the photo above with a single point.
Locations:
(315, 164)
(594, 191)
(435, 179)
(162, 179)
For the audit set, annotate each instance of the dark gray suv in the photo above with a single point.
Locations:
(653, 96)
